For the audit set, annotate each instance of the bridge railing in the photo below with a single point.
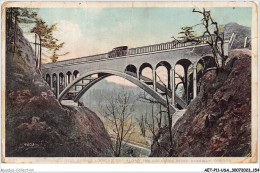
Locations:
(134, 51)
(76, 60)
(170, 45)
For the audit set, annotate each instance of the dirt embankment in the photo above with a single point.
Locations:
(36, 124)
(218, 122)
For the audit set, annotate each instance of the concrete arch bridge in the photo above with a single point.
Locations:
(70, 79)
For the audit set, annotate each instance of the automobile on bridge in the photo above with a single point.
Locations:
(118, 51)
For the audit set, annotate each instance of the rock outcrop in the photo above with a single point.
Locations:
(218, 121)
(36, 124)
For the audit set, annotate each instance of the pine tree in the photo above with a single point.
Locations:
(44, 33)
(15, 15)
(54, 45)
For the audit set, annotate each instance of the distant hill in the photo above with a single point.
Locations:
(241, 32)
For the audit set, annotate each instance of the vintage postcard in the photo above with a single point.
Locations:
(129, 82)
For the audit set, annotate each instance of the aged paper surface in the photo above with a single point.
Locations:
(251, 158)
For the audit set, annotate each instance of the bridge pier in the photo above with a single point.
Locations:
(51, 81)
(172, 74)
(154, 80)
(73, 78)
(187, 83)
(194, 81)
(169, 71)
(65, 82)
(58, 85)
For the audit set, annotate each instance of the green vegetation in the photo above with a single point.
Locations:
(43, 32)
(15, 16)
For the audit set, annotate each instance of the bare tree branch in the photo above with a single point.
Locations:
(213, 39)
(117, 111)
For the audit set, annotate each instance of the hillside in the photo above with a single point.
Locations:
(241, 32)
(36, 124)
(218, 122)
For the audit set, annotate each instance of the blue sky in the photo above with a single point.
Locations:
(88, 31)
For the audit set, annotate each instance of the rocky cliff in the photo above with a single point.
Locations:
(36, 124)
(218, 121)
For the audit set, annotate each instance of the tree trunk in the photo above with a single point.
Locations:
(40, 53)
(11, 18)
(160, 120)
(7, 20)
(15, 31)
(170, 125)
(35, 49)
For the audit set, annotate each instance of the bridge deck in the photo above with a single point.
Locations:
(134, 51)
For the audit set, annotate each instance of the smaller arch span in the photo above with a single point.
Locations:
(184, 62)
(207, 62)
(48, 79)
(165, 64)
(75, 74)
(68, 78)
(61, 81)
(186, 77)
(168, 67)
(54, 82)
(144, 65)
(131, 68)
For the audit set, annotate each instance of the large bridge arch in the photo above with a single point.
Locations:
(106, 73)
